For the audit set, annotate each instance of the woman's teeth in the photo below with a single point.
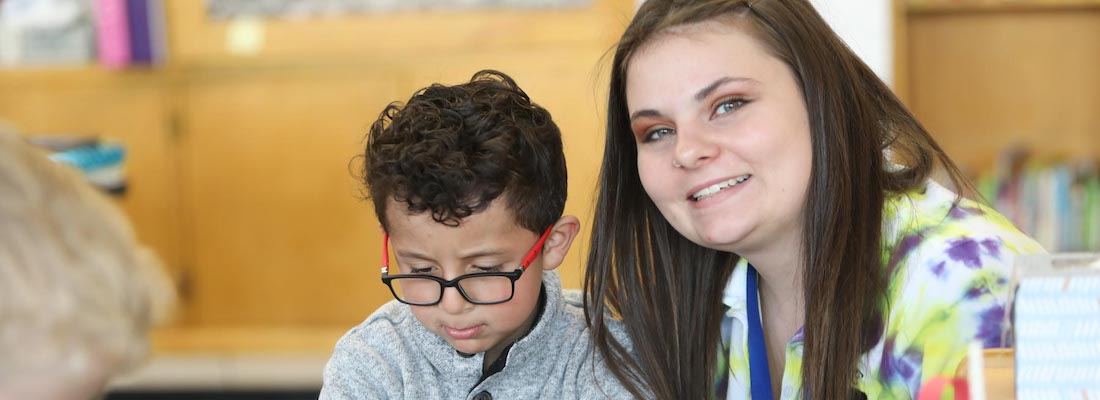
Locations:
(715, 188)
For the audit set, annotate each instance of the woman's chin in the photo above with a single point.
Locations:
(724, 238)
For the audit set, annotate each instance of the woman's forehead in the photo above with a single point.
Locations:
(680, 66)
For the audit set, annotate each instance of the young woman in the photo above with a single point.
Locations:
(766, 223)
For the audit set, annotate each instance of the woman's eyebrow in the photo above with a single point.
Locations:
(703, 93)
(645, 113)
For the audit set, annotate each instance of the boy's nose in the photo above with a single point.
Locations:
(453, 302)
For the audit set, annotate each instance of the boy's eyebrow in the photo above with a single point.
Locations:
(411, 254)
(475, 254)
(483, 253)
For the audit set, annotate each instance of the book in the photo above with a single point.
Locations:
(137, 15)
(1056, 310)
(158, 31)
(1055, 201)
(112, 33)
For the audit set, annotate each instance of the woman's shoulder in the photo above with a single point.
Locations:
(948, 263)
(950, 260)
(935, 230)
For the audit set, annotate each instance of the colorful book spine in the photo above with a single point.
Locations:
(1092, 213)
(158, 31)
(1057, 203)
(137, 13)
(112, 33)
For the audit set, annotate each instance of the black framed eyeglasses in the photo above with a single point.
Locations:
(481, 288)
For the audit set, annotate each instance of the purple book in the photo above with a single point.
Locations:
(137, 14)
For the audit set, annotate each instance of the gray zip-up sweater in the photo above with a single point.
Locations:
(392, 356)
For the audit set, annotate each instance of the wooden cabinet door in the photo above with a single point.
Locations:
(276, 225)
(131, 108)
(279, 229)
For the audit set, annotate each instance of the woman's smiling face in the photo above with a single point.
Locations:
(723, 137)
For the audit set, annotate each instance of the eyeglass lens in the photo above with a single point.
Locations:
(476, 289)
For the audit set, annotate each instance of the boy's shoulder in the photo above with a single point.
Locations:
(391, 321)
(393, 313)
(373, 356)
(573, 309)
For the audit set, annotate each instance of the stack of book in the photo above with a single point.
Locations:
(130, 32)
(101, 162)
(1055, 202)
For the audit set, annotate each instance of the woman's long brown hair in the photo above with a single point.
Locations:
(668, 290)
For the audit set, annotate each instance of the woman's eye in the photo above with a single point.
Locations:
(729, 105)
(495, 268)
(422, 270)
(656, 134)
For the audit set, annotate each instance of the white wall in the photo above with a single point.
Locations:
(867, 27)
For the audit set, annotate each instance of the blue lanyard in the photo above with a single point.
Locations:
(759, 375)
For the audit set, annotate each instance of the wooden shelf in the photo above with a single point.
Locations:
(986, 75)
(239, 160)
(287, 339)
(198, 39)
(233, 358)
(82, 75)
(974, 6)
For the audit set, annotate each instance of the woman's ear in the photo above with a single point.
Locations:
(560, 240)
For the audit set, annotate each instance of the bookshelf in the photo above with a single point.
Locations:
(239, 163)
(988, 76)
(979, 6)
(199, 39)
(127, 106)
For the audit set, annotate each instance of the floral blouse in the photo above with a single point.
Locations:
(948, 267)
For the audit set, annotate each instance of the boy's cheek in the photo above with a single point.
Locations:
(513, 314)
(425, 316)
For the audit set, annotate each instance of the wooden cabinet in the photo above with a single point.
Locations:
(280, 228)
(983, 75)
(130, 107)
(242, 165)
(278, 234)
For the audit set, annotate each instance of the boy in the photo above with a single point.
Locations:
(469, 182)
(78, 292)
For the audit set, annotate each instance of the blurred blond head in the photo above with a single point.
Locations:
(78, 293)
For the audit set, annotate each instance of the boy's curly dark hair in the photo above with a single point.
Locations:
(452, 150)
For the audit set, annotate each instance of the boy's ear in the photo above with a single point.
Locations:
(560, 240)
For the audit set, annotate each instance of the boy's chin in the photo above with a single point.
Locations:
(470, 347)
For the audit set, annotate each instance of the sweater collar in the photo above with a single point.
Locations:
(444, 357)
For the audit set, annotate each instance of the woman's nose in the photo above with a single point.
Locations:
(693, 148)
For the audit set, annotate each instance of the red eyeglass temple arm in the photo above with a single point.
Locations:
(385, 252)
(527, 260)
(534, 252)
